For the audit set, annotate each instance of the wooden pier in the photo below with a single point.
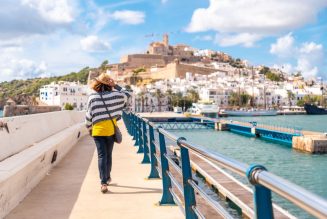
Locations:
(227, 187)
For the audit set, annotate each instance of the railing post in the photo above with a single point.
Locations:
(140, 137)
(137, 132)
(261, 195)
(189, 195)
(167, 197)
(146, 158)
(128, 122)
(133, 125)
(154, 163)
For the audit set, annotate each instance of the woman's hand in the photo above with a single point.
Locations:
(111, 82)
(90, 131)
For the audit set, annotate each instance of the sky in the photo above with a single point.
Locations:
(40, 38)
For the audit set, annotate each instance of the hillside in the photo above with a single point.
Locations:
(25, 91)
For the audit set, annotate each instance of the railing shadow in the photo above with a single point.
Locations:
(142, 190)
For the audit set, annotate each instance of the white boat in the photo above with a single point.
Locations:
(207, 109)
(251, 112)
(178, 109)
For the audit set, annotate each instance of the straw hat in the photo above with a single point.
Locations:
(102, 79)
(105, 79)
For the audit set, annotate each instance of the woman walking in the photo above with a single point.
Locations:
(103, 110)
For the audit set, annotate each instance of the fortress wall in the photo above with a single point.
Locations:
(53, 135)
(17, 110)
(181, 70)
(174, 70)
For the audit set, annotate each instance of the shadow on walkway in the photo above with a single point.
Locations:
(143, 190)
(56, 194)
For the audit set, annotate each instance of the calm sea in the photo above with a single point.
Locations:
(306, 170)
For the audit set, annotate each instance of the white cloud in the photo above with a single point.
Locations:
(309, 56)
(57, 11)
(310, 47)
(285, 67)
(12, 68)
(129, 17)
(244, 39)
(204, 38)
(254, 17)
(20, 18)
(284, 46)
(94, 44)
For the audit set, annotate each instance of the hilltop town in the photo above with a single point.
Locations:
(167, 75)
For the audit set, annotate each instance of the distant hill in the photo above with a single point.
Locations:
(25, 91)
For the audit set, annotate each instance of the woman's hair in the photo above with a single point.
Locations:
(99, 87)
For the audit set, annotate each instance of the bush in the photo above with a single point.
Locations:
(68, 106)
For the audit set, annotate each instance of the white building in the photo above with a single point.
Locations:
(58, 94)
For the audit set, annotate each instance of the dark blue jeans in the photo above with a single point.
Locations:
(104, 146)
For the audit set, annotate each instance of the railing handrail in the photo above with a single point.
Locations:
(304, 199)
(256, 174)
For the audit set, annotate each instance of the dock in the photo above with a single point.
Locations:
(301, 140)
(72, 188)
(298, 139)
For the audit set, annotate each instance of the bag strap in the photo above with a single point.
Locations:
(107, 111)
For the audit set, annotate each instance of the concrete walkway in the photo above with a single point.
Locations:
(72, 188)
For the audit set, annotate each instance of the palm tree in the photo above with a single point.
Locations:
(290, 96)
(169, 94)
(141, 95)
(193, 95)
(146, 103)
(158, 94)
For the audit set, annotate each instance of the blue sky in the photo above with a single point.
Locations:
(54, 37)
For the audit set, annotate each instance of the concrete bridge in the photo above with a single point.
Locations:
(48, 169)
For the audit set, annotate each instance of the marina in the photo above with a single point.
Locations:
(171, 137)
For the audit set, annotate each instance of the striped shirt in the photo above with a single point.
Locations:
(115, 101)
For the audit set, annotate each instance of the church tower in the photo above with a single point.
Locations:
(166, 40)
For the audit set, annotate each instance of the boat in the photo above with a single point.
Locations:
(207, 109)
(178, 109)
(313, 109)
(251, 112)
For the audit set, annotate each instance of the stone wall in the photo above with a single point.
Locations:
(18, 110)
(310, 143)
(177, 69)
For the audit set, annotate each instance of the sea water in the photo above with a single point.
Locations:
(306, 170)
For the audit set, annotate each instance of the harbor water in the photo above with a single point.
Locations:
(306, 170)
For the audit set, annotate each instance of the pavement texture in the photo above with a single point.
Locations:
(72, 188)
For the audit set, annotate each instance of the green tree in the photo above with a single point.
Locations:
(193, 95)
(103, 65)
(159, 95)
(312, 99)
(68, 106)
(290, 96)
(235, 99)
(300, 103)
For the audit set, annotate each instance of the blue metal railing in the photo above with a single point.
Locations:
(263, 181)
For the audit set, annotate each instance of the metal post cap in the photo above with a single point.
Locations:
(252, 169)
(180, 139)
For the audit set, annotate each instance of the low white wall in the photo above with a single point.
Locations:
(24, 131)
(21, 172)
